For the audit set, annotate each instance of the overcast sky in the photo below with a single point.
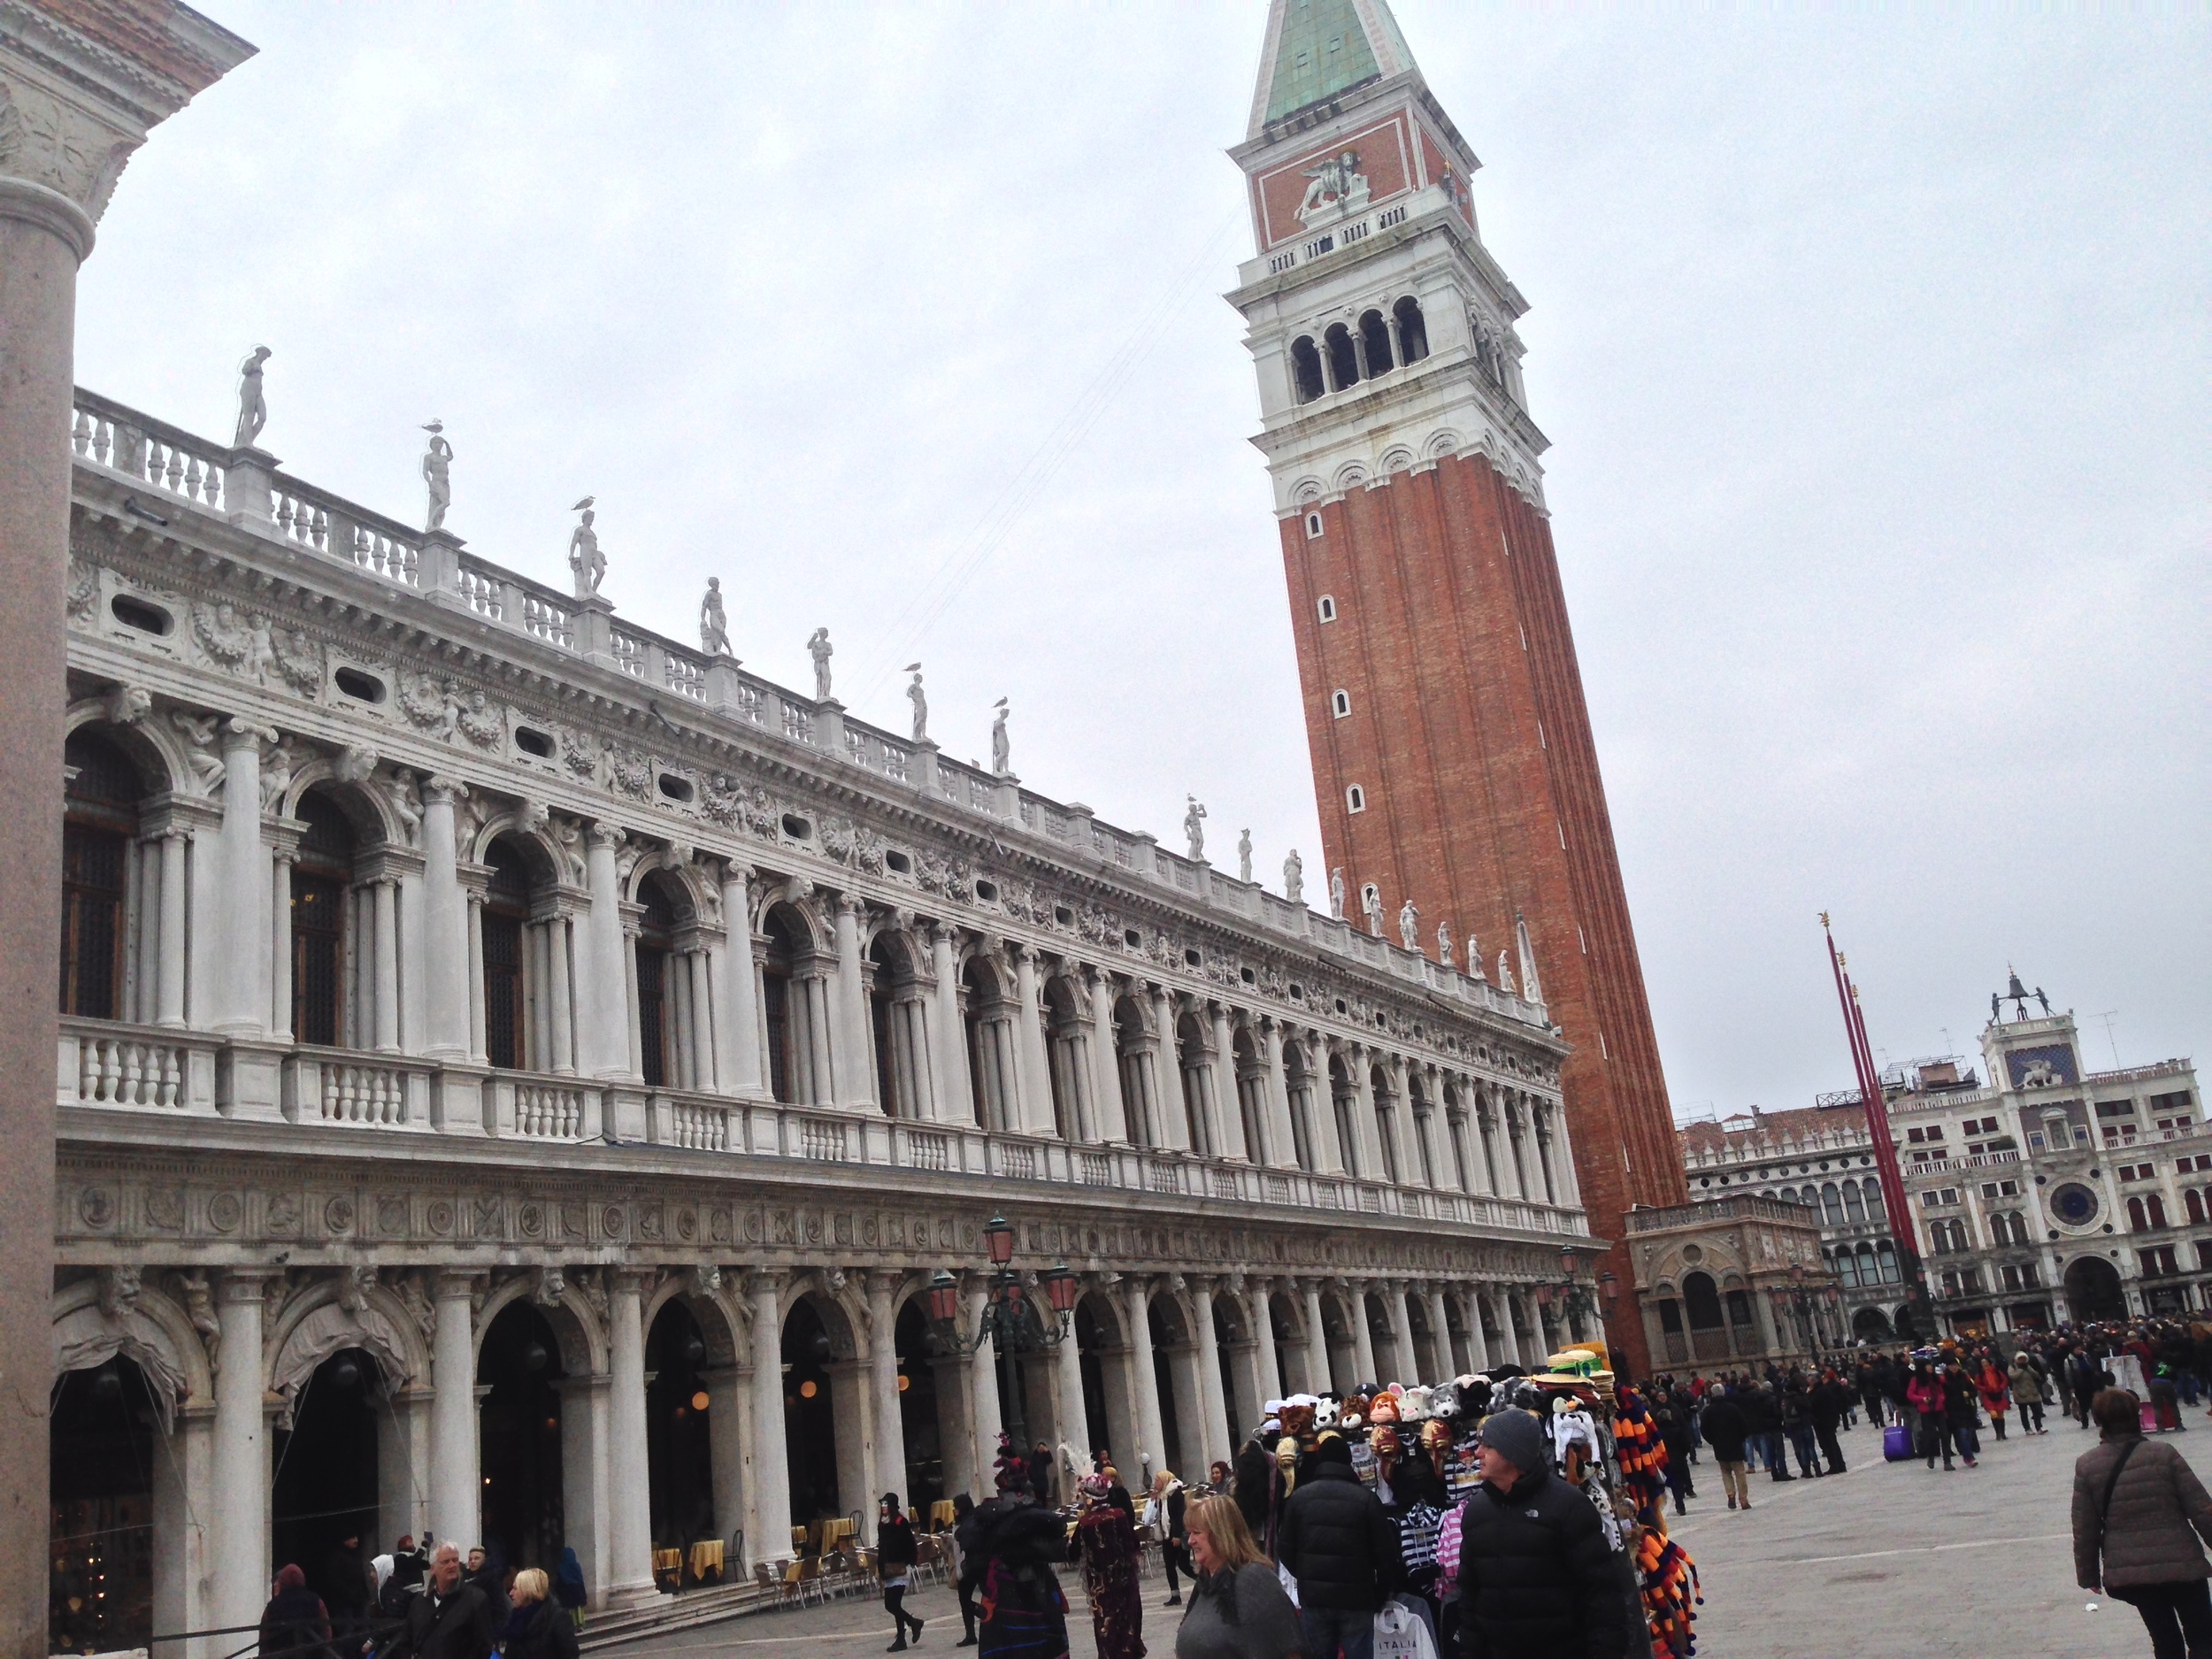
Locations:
(1873, 352)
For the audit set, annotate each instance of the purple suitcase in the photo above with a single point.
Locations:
(1896, 1443)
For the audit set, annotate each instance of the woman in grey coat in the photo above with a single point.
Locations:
(1238, 1607)
(2140, 1512)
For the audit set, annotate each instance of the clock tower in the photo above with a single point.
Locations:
(1451, 748)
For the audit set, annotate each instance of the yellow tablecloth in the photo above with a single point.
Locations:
(706, 1556)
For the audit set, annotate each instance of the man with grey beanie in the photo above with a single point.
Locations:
(1537, 1573)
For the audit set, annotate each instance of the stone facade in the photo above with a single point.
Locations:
(1734, 1283)
(2051, 1192)
(1820, 1158)
(1452, 760)
(465, 993)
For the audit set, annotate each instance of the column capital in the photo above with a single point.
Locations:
(851, 904)
(457, 1284)
(606, 835)
(766, 1282)
(242, 1284)
(440, 790)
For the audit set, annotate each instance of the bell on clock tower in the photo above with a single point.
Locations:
(1451, 748)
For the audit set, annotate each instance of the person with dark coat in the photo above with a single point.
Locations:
(1040, 1472)
(537, 1627)
(964, 1535)
(1672, 1416)
(1831, 1400)
(2140, 1512)
(896, 1552)
(1762, 1410)
(1797, 1423)
(568, 1585)
(1254, 1473)
(1961, 1409)
(349, 1589)
(1537, 1573)
(1338, 1542)
(295, 1622)
(1009, 1571)
(1727, 1431)
(449, 1618)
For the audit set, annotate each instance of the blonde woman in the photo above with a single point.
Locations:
(536, 1628)
(1237, 1608)
(1165, 1512)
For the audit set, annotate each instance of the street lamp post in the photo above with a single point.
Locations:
(1804, 1302)
(1007, 1322)
(1573, 1295)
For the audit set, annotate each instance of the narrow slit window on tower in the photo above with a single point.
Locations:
(1413, 333)
(1343, 363)
(1341, 703)
(1313, 525)
(1328, 608)
(1355, 799)
(1305, 369)
(1375, 333)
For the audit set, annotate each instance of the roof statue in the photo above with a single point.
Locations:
(437, 459)
(584, 556)
(1444, 943)
(714, 627)
(1336, 893)
(1194, 829)
(1410, 925)
(1244, 856)
(1002, 751)
(818, 648)
(915, 695)
(1294, 877)
(253, 412)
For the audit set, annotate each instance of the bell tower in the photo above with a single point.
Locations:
(1451, 748)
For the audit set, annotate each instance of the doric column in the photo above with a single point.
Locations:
(1213, 1411)
(169, 1000)
(729, 1431)
(855, 1078)
(281, 938)
(455, 1486)
(950, 1089)
(1282, 1139)
(1478, 1341)
(384, 895)
(1440, 1338)
(1113, 1119)
(1362, 1335)
(445, 924)
(630, 1517)
(1144, 1380)
(1317, 1370)
(1398, 1302)
(767, 1465)
(1259, 1305)
(883, 1370)
(241, 1454)
(1074, 1420)
(982, 1369)
(739, 1011)
(1173, 1122)
(1228, 1097)
(604, 1046)
(242, 998)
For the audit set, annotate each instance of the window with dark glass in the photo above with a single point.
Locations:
(100, 817)
(654, 934)
(505, 914)
(322, 877)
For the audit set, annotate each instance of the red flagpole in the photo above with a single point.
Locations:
(1893, 1179)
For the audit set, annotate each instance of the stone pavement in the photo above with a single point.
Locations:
(1887, 1562)
(1891, 1562)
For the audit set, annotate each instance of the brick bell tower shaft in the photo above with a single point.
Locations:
(1451, 746)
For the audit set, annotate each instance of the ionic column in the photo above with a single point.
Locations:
(1478, 1340)
(856, 1079)
(1035, 1065)
(767, 1467)
(384, 895)
(739, 1015)
(1362, 1335)
(477, 1051)
(819, 1019)
(169, 996)
(559, 996)
(982, 1369)
(446, 940)
(1282, 1139)
(603, 1045)
(1441, 1339)
(1318, 1378)
(951, 1092)
(455, 1484)
(1329, 1150)
(630, 1519)
(705, 1064)
(240, 1460)
(242, 1000)
(632, 924)
(1144, 1380)
(1227, 1095)
(883, 1370)
(728, 1432)
(281, 940)
(1113, 1119)
(1259, 1304)
(1366, 1133)
(1074, 1418)
(1174, 1124)
(1213, 1411)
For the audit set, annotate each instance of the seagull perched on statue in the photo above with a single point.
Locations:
(580, 505)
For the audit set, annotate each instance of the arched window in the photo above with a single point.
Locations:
(2194, 1202)
(1847, 1266)
(505, 914)
(1344, 1101)
(1252, 1098)
(1071, 1092)
(1385, 1124)
(1132, 1045)
(99, 823)
(1193, 1057)
(321, 876)
(1701, 1298)
(787, 987)
(657, 931)
(1298, 1083)
(1413, 332)
(2156, 1205)
(2137, 1223)
(1831, 1204)
(1854, 1204)
(1305, 369)
(1375, 335)
(1886, 1254)
(898, 1013)
(1343, 363)
(1875, 1211)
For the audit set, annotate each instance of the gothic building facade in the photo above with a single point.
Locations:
(520, 1077)
(1461, 804)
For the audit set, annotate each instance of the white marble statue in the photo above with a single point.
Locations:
(1194, 828)
(1474, 953)
(253, 413)
(919, 699)
(1294, 878)
(584, 556)
(1002, 750)
(1505, 975)
(1370, 902)
(1444, 943)
(437, 461)
(714, 627)
(819, 649)
(1244, 857)
(1336, 893)
(1410, 925)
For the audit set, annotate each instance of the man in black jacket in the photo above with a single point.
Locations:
(1339, 1545)
(450, 1619)
(1537, 1576)
(1727, 1428)
(1762, 1410)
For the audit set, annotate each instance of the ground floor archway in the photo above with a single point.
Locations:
(519, 1367)
(2093, 1291)
(324, 1489)
(104, 1436)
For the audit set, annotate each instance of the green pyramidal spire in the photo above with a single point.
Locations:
(1317, 49)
